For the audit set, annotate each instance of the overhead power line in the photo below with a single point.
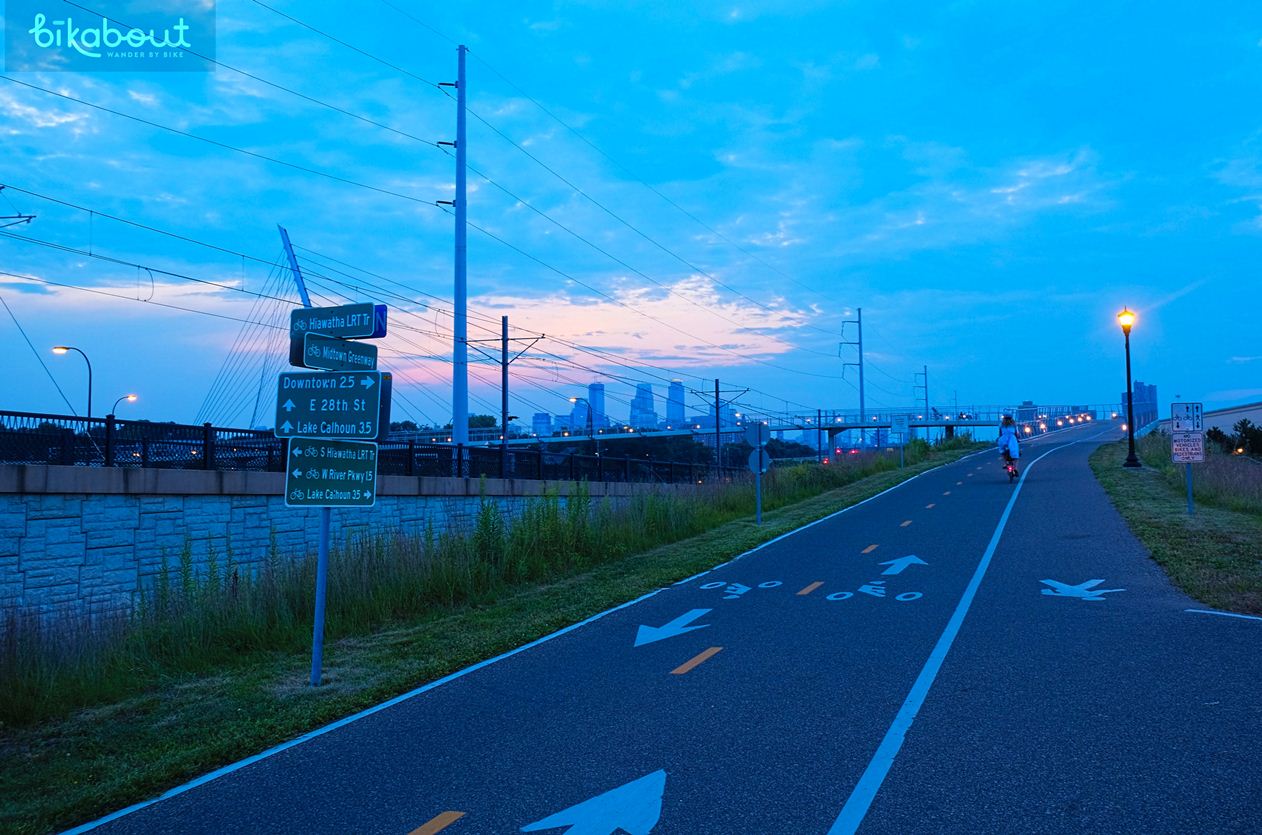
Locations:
(218, 144)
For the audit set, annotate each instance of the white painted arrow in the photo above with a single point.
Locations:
(288, 406)
(678, 626)
(897, 566)
(634, 808)
(1082, 591)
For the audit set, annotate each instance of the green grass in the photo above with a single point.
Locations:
(1215, 555)
(186, 713)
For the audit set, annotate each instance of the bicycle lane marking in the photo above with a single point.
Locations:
(860, 800)
(425, 688)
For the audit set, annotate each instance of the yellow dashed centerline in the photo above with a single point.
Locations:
(959, 484)
(946, 492)
(930, 506)
(905, 524)
(438, 824)
(870, 549)
(699, 658)
(812, 587)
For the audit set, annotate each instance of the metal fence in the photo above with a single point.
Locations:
(31, 438)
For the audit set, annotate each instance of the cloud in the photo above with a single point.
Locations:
(34, 116)
(678, 332)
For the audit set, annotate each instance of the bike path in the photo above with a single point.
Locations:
(1069, 714)
(762, 721)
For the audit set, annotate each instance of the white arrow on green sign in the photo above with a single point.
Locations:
(328, 404)
(324, 473)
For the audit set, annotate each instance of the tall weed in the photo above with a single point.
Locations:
(189, 621)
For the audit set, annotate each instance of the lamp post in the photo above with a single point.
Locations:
(1126, 319)
(130, 398)
(61, 349)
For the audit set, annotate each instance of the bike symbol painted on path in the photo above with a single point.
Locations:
(1082, 591)
(735, 590)
(877, 589)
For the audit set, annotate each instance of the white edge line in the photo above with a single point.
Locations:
(822, 519)
(1222, 614)
(228, 769)
(860, 800)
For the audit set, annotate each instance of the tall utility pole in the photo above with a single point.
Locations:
(718, 424)
(460, 325)
(819, 436)
(863, 412)
(504, 389)
(923, 387)
(505, 361)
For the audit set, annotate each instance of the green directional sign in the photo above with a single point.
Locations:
(328, 404)
(324, 473)
(349, 321)
(334, 354)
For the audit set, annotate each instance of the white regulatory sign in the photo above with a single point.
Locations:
(901, 424)
(759, 460)
(757, 434)
(1187, 448)
(1186, 417)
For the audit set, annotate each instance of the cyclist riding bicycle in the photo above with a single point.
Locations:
(1009, 440)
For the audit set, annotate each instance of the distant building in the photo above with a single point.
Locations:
(675, 404)
(579, 416)
(541, 424)
(1027, 411)
(596, 396)
(643, 412)
(1145, 400)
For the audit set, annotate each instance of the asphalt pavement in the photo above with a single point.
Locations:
(958, 654)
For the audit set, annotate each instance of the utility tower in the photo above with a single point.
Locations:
(858, 343)
(922, 387)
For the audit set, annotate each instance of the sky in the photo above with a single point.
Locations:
(666, 190)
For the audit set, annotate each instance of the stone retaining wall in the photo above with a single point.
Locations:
(86, 539)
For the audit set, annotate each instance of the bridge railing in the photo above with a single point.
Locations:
(34, 438)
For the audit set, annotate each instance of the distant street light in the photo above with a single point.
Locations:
(1126, 319)
(130, 398)
(590, 432)
(61, 349)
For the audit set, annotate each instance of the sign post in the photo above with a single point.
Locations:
(1187, 444)
(902, 425)
(757, 435)
(319, 411)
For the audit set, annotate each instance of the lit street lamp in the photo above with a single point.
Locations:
(61, 349)
(590, 433)
(1126, 319)
(130, 398)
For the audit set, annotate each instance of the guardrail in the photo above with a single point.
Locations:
(33, 438)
